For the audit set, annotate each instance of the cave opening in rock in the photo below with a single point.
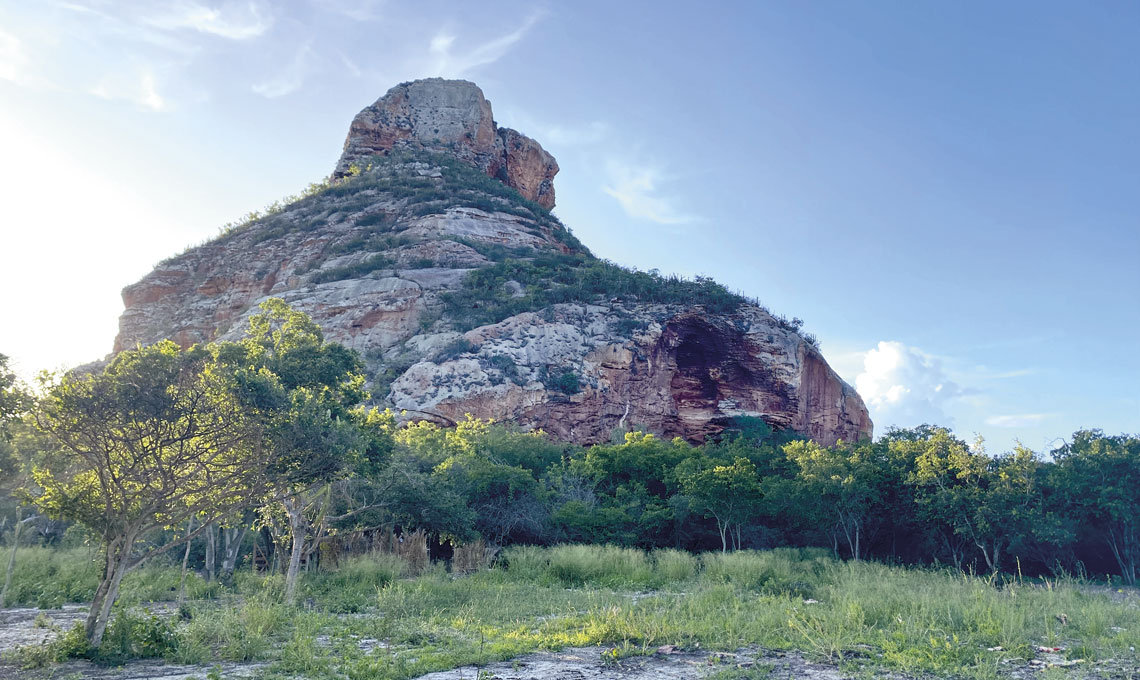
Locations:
(698, 355)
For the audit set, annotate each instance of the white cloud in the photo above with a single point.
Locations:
(291, 78)
(635, 187)
(905, 386)
(1016, 420)
(451, 65)
(139, 87)
(232, 20)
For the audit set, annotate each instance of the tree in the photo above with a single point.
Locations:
(991, 502)
(634, 482)
(1102, 476)
(846, 482)
(14, 400)
(308, 416)
(161, 435)
(728, 493)
(494, 469)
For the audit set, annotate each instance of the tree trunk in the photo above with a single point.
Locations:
(234, 538)
(185, 562)
(294, 509)
(109, 556)
(723, 528)
(211, 552)
(117, 563)
(12, 555)
(1123, 557)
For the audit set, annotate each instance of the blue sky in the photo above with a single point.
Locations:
(946, 193)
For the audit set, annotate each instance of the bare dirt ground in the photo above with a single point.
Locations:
(589, 664)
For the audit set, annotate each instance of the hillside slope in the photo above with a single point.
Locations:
(466, 296)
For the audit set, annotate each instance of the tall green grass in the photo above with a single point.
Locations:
(48, 578)
(863, 617)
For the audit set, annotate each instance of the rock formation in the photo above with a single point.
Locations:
(463, 298)
(451, 116)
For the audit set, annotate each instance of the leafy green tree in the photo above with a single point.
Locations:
(845, 482)
(992, 503)
(634, 483)
(307, 413)
(14, 399)
(730, 493)
(495, 469)
(161, 435)
(1102, 476)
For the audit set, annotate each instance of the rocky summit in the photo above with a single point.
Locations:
(451, 116)
(432, 251)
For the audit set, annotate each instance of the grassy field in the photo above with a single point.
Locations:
(370, 619)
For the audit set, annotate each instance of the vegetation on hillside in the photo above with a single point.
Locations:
(425, 182)
(419, 182)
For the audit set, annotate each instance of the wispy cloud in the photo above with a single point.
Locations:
(291, 78)
(450, 64)
(575, 135)
(636, 188)
(357, 10)
(13, 58)
(1016, 373)
(139, 88)
(1016, 420)
(232, 20)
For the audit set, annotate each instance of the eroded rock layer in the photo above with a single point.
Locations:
(387, 262)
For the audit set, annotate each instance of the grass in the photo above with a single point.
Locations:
(48, 578)
(366, 621)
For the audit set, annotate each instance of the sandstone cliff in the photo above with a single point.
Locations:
(463, 296)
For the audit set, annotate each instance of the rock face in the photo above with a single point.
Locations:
(451, 116)
(421, 264)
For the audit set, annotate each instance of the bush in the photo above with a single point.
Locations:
(352, 271)
(566, 383)
(453, 349)
(235, 633)
(136, 635)
(553, 278)
(71, 644)
(506, 365)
